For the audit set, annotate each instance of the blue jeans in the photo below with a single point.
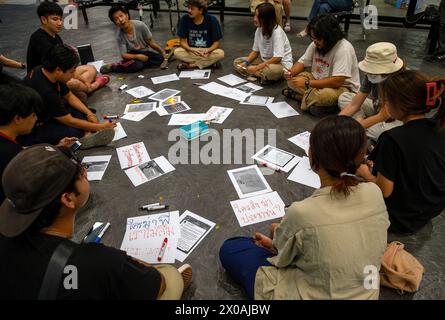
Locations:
(326, 6)
(52, 131)
(131, 66)
(241, 258)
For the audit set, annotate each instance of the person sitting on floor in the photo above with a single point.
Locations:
(200, 35)
(381, 60)
(134, 40)
(18, 106)
(323, 243)
(408, 162)
(334, 69)
(63, 114)
(45, 187)
(271, 51)
(326, 6)
(84, 80)
(6, 62)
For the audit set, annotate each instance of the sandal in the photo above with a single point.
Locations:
(102, 80)
(183, 66)
(290, 94)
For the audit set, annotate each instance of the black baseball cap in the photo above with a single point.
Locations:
(31, 181)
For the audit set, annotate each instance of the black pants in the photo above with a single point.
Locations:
(442, 26)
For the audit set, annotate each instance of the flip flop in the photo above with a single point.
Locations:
(290, 94)
(102, 80)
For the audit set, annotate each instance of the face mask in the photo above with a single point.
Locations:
(375, 78)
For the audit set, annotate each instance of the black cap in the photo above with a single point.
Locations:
(32, 180)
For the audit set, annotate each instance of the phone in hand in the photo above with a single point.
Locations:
(75, 146)
(96, 232)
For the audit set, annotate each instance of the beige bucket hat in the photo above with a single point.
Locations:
(381, 58)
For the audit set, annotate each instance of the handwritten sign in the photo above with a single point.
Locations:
(132, 155)
(258, 209)
(145, 235)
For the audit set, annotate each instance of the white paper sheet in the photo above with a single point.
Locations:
(282, 109)
(257, 100)
(144, 236)
(249, 181)
(303, 174)
(249, 87)
(163, 79)
(218, 114)
(119, 132)
(96, 166)
(135, 116)
(196, 74)
(96, 64)
(149, 171)
(232, 93)
(302, 140)
(164, 94)
(185, 119)
(140, 92)
(276, 159)
(172, 109)
(138, 111)
(193, 230)
(258, 209)
(132, 155)
(232, 80)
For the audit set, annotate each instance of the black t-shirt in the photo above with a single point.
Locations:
(200, 35)
(413, 157)
(8, 150)
(51, 93)
(39, 44)
(103, 272)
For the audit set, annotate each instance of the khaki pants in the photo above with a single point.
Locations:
(200, 62)
(367, 110)
(326, 97)
(278, 5)
(270, 72)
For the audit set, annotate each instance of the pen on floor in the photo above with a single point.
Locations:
(150, 205)
(198, 84)
(162, 250)
(115, 116)
(153, 208)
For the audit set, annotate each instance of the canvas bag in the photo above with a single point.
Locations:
(400, 269)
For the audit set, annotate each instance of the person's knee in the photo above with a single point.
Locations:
(344, 99)
(229, 247)
(218, 53)
(179, 53)
(325, 8)
(76, 85)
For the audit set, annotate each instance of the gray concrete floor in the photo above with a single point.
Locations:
(206, 189)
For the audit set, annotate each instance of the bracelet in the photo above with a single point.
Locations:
(307, 83)
(246, 62)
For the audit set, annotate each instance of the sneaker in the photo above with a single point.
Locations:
(302, 34)
(187, 273)
(98, 139)
(287, 27)
(436, 57)
(106, 68)
(323, 111)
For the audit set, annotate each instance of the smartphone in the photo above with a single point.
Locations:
(75, 146)
(96, 232)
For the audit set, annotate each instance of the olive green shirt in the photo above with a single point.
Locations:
(324, 244)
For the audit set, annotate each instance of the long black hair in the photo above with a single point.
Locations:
(267, 18)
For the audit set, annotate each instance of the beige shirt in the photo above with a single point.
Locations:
(324, 244)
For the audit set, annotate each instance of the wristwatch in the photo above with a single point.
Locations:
(307, 83)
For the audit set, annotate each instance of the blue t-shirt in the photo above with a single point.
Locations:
(202, 35)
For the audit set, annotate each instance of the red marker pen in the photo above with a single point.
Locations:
(162, 251)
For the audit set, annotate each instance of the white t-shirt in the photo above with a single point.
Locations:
(339, 61)
(276, 46)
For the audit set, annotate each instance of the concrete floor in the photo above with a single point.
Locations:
(207, 190)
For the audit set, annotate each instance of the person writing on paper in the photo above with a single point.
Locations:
(135, 41)
(408, 162)
(381, 60)
(45, 187)
(84, 80)
(200, 35)
(63, 114)
(324, 242)
(18, 107)
(334, 69)
(271, 52)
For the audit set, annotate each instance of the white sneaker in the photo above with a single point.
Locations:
(287, 27)
(302, 34)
